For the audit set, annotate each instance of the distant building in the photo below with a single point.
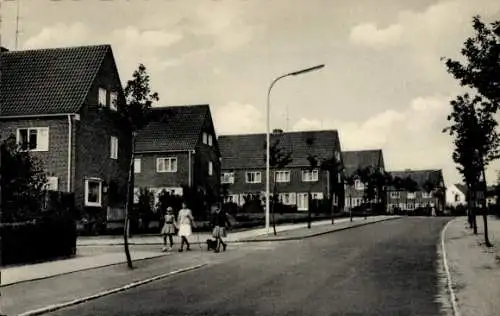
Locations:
(244, 168)
(354, 161)
(430, 190)
(456, 194)
(177, 149)
(61, 104)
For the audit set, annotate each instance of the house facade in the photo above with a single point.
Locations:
(244, 168)
(178, 149)
(354, 161)
(429, 190)
(62, 106)
(456, 194)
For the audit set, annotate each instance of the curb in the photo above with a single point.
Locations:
(317, 234)
(453, 297)
(84, 269)
(243, 240)
(52, 308)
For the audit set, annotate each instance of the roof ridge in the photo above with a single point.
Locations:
(163, 107)
(55, 48)
(283, 133)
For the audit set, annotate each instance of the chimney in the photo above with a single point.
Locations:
(3, 49)
(277, 131)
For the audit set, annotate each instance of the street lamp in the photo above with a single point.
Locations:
(268, 146)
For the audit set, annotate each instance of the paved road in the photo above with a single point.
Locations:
(387, 268)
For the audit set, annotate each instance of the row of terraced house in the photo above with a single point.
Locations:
(61, 104)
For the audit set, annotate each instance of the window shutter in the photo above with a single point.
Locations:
(43, 139)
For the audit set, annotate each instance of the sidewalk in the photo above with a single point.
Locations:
(196, 237)
(36, 286)
(474, 269)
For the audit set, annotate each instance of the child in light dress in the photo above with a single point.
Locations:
(168, 230)
(186, 221)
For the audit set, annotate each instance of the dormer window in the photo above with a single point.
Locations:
(210, 140)
(205, 138)
(102, 97)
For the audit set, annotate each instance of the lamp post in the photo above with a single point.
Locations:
(268, 136)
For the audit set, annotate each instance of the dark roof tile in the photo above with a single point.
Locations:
(48, 81)
(173, 128)
(248, 151)
(355, 159)
(420, 176)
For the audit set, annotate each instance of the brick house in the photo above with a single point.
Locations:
(359, 159)
(244, 168)
(399, 197)
(61, 104)
(178, 148)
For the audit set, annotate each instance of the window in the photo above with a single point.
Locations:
(309, 176)
(394, 195)
(242, 199)
(93, 192)
(287, 198)
(137, 165)
(210, 140)
(52, 184)
(410, 206)
(114, 147)
(33, 139)
(205, 136)
(210, 168)
(102, 97)
(166, 164)
(253, 177)
(137, 194)
(113, 101)
(227, 177)
(337, 156)
(302, 202)
(410, 195)
(457, 198)
(358, 185)
(426, 195)
(282, 176)
(317, 195)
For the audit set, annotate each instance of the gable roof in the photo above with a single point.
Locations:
(248, 151)
(48, 81)
(420, 176)
(173, 128)
(462, 188)
(355, 159)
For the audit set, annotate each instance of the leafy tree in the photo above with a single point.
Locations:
(382, 180)
(313, 164)
(350, 181)
(334, 169)
(145, 205)
(476, 144)
(473, 117)
(279, 158)
(367, 176)
(136, 115)
(410, 186)
(23, 183)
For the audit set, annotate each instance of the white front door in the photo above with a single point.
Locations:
(302, 202)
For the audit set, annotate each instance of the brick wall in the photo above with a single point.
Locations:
(148, 177)
(93, 137)
(55, 160)
(295, 185)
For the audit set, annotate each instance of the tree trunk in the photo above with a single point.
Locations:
(485, 211)
(309, 208)
(127, 205)
(473, 211)
(350, 205)
(275, 191)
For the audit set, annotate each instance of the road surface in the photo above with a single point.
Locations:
(388, 268)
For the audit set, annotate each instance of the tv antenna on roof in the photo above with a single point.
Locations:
(17, 22)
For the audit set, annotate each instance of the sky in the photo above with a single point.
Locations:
(383, 86)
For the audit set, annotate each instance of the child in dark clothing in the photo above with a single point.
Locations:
(219, 221)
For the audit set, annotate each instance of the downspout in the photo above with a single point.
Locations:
(190, 166)
(70, 134)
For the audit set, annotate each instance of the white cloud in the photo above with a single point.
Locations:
(132, 37)
(411, 138)
(368, 34)
(237, 118)
(59, 35)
